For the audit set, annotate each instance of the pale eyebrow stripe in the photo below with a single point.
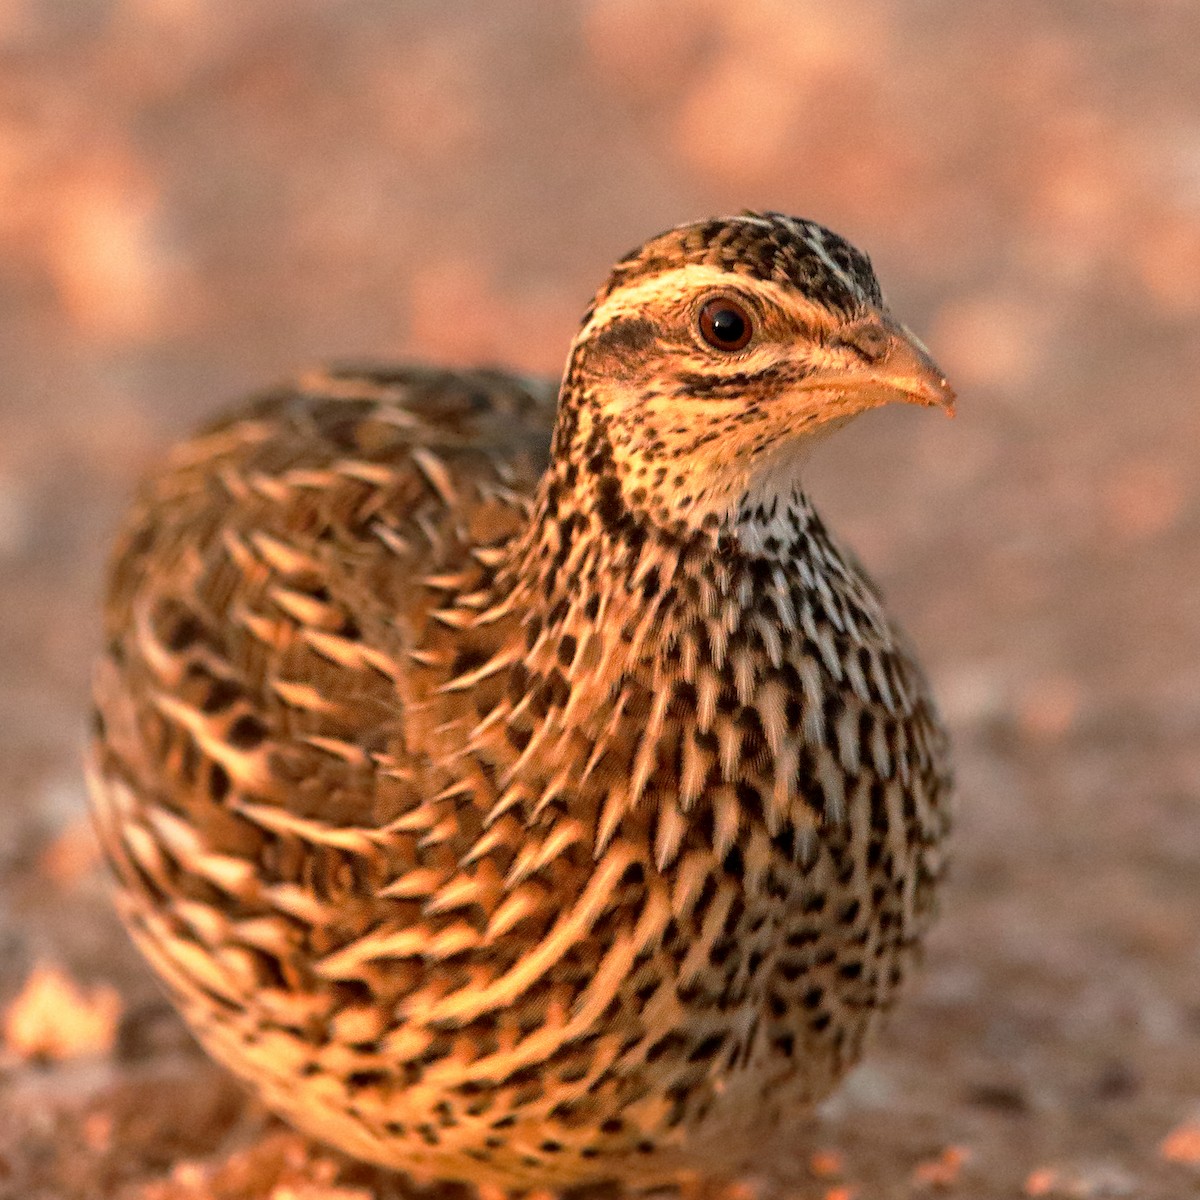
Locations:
(679, 283)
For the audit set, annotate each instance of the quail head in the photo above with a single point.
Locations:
(521, 785)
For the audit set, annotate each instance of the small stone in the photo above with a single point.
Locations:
(53, 1018)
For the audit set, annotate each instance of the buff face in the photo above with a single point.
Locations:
(709, 381)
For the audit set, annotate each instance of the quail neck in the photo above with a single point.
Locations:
(520, 785)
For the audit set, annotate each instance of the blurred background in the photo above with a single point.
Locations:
(197, 199)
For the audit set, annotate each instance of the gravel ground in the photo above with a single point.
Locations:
(196, 199)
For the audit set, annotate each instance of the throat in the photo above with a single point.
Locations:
(773, 526)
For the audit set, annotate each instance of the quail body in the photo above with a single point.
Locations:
(521, 785)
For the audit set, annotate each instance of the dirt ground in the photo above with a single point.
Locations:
(197, 199)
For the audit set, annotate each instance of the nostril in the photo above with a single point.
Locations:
(870, 340)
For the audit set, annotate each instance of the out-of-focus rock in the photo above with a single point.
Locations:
(53, 1018)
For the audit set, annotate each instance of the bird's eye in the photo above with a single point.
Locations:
(725, 324)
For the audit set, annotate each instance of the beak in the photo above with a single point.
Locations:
(897, 366)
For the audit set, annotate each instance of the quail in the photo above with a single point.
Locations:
(521, 785)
